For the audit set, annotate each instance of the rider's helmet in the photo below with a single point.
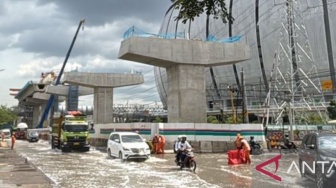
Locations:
(251, 137)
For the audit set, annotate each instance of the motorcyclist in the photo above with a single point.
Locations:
(177, 143)
(252, 142)
(288, 143)
(183, 146)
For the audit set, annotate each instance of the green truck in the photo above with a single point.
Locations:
(70, 132)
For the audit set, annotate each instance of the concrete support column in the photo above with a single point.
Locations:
(41, 111)
(36, 116)
(186, 94)
(103, 105)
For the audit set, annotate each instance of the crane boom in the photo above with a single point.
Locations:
(52, 97)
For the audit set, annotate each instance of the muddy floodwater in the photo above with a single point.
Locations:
(94, 169)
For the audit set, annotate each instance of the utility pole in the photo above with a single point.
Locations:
(291, 122)
(243, 92)
(329, 46)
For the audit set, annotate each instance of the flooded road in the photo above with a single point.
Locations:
(95, 169)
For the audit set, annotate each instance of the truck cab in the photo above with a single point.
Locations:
(71, 133)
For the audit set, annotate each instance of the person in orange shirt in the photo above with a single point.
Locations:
(162, 143)
(237, 142)
(13, 141)
(156, 143)
(246, 147)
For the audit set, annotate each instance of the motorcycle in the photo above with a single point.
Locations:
(256, 148)
(290, 147)
(189, 161)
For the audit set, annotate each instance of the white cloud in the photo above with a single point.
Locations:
(35, 37)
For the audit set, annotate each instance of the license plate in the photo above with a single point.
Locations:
(76, 143)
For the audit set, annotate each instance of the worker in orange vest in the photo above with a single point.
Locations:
(156, 143)
(247, 149)
(162, 143)
(238, 142)
(13, 141)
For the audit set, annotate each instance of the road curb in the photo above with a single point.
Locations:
(17, 171)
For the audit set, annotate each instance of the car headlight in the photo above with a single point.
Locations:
(124, 148)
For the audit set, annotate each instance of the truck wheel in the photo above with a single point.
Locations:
(65, 150)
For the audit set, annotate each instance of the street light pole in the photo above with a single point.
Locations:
(232, 107)
(232, 90)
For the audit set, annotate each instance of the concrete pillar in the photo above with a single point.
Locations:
(36, 116)
(186, 94)
(103, 105)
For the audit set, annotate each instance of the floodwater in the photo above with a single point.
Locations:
(94, 169)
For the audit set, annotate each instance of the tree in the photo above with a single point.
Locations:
(6, 115)
(217, 8)
(158, 120)
(212, 119)
(332, 109)
(188, 10)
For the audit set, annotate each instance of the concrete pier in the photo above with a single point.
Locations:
(103, 84)
(186, 94)
(185, 61)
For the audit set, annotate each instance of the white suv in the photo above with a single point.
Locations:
(127, 145)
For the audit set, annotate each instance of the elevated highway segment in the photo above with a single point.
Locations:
(102, 84)
(36, 95)
(185, 62)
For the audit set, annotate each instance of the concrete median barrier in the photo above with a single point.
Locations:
(206, 146)
(218, 146)
(195, 145)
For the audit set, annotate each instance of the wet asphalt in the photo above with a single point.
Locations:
(94, 169)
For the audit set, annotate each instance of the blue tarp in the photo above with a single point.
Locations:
(212, 38)
(135, 32)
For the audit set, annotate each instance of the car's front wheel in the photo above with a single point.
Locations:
(120, 155)
(109, 153)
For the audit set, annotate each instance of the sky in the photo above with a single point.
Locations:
(35, 36)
